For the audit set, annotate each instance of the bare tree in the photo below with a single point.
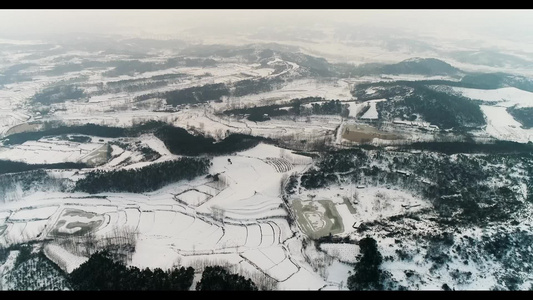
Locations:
(218, 213)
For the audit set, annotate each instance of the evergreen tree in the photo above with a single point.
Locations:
(367, 275)
(101, 273)
(216, 278)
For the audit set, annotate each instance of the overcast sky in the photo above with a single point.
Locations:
(506, 23)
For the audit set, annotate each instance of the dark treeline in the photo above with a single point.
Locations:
(484, 81)
(256, 86)
(458, 187)
(146, 179)
(367, 274)
(180, 141)
(496, 80)
(140, 86)
(29, 180)
(524, 115)
(87, 129)
(215, 91)
(444, 109)
(58, 94)
(258, 113)
(295, 108)
(101, 273)
(192, 95)
(315, 66)
(332, 107)
(8, 166)
(216, 278)
(498, 147)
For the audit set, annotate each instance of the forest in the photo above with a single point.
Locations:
(145, 179)
(9, 166)
(33, 271)
(438, 107)
(178, 140)
(524, 115)
(297, 107)
(458, 186)
(58, 94)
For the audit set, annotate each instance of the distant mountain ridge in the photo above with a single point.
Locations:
(422, 66)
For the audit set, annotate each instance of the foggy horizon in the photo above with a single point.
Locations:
(501, 23)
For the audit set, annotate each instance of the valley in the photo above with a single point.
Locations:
(270, 162)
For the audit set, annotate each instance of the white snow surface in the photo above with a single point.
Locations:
(505, 97)
(67, 261)
(372, 113)
(253, 227)
(501, 125)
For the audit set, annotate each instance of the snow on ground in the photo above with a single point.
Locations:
(355, 108)
(116, 150)
(156, 144)
(300, 88)
(33, 213)
(344, 252)
(369, 203)
(253, 226)
(67, 261)
(10, 118)
(505, 97)
(46, 151)
(372, 113)
(126, 154)
(6, 267)
(501, 125)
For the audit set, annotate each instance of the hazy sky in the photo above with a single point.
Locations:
(506, 23)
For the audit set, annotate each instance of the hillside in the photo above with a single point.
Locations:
(175, 165)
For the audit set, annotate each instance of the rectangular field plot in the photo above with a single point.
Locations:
(253, 237)
(48, 152)
(30, 213)
(193, 197)
(318, 218)
(76, 221)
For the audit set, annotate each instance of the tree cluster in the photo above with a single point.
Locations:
(87, 129)
(58, 94)
(524, 115)
(180, 141)
(458, 188)
(216, 278)
(367, 274)
(8, 166)
(101, 273)
(130, 67)
(145, 179)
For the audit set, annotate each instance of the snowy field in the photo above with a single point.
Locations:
(372, 112)
(241, 219)
(46, 151)
(359, 204)
(504, 97)
(501, 125)
(251, 230)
